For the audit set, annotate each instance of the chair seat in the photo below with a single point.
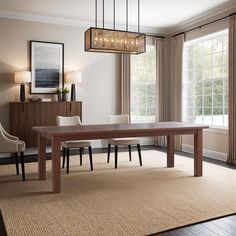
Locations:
(123, 141)
(76, 144)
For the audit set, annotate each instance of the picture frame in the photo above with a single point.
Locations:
(47, 67)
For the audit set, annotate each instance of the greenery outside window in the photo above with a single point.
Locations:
(143, 86)
(205, 80)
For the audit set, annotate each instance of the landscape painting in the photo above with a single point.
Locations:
(47, 66)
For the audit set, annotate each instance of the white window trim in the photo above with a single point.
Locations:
(213, 128)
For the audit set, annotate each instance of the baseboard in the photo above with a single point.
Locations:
(95, 144)
(34, 157)
(207, 153)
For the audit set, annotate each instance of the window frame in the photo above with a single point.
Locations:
(145, 86)
(223, 79)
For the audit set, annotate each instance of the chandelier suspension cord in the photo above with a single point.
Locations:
(127, 15)
(103, 10)
(96, 13)
(138, 16)
(114, 14)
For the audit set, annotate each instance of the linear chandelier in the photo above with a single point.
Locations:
(112, 40)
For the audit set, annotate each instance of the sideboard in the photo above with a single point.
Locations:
(25, 115)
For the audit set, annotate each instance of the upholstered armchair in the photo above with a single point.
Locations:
(11, 144)
(76, 144)
(125, 142)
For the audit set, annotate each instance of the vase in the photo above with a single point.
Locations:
(64, 96)
(59, 97)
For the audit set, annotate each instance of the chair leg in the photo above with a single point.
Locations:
(108, 153)
(90, 158)
(129, 152)
(139, 154)
(68, 160)
(116, 156)
(80, 154)
(64, 157)
(17, 163)
(22, 165)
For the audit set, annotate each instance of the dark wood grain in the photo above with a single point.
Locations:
(198, 153)
(66, 133)
(224, 226)
(170, 151)
(25, 115)
(105, 131)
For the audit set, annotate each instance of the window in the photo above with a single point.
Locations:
(205, 80)
(143, 86)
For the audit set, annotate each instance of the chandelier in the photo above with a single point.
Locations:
(112, 40)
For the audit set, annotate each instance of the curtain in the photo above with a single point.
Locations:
(161, 87)
(176, 83)
(232, 90)
(125, 84)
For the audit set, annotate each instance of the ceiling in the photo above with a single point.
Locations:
(161, 14)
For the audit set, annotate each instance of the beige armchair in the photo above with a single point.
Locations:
(77, 144)
(11, 144)
(125, 142)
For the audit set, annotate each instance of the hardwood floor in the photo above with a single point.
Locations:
(2, 226)
(225, 226)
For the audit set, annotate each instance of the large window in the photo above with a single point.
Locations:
(205, 80)
(143, 86)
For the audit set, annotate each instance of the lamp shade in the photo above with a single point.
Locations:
(73, 77)
(22, 77)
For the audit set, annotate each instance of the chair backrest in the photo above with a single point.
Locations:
(118, 119)
(68, 120)
(1, 128)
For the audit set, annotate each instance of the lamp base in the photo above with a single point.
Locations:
(73, 92)
(22, 92)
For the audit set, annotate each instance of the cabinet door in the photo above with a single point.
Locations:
(75, 109)
(22, 117)
(49, 111)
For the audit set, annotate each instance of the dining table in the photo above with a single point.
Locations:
(58, 134)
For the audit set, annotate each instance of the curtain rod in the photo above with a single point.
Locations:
(156, 36)
(204, 25)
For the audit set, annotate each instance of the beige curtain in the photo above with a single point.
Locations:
(176, 83)
(232, 90)
(161, 87)
(125, 84)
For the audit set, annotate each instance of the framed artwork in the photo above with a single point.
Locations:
(47, 66)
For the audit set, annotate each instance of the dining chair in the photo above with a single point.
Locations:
(125, 142)
(12, 144)
(75, 144)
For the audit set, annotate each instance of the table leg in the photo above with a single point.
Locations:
(198, 153)
(56, 165)
(41, 157)
(170, 150)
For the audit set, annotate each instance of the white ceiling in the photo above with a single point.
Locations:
(162, 14)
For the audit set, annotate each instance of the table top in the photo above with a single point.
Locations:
(118, 130)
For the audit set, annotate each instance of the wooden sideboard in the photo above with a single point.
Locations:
(25, 115)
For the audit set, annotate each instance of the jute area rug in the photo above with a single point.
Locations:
(131, 200)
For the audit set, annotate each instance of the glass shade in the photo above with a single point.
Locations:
(22, 77)
(114, 41)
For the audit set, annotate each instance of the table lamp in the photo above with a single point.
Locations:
(74, 78)
(22, 77)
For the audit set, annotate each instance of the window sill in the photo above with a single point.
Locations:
(217, 130)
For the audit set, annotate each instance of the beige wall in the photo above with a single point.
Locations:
(215, 143)
(100, 87)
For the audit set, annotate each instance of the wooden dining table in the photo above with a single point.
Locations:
(58, 134)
